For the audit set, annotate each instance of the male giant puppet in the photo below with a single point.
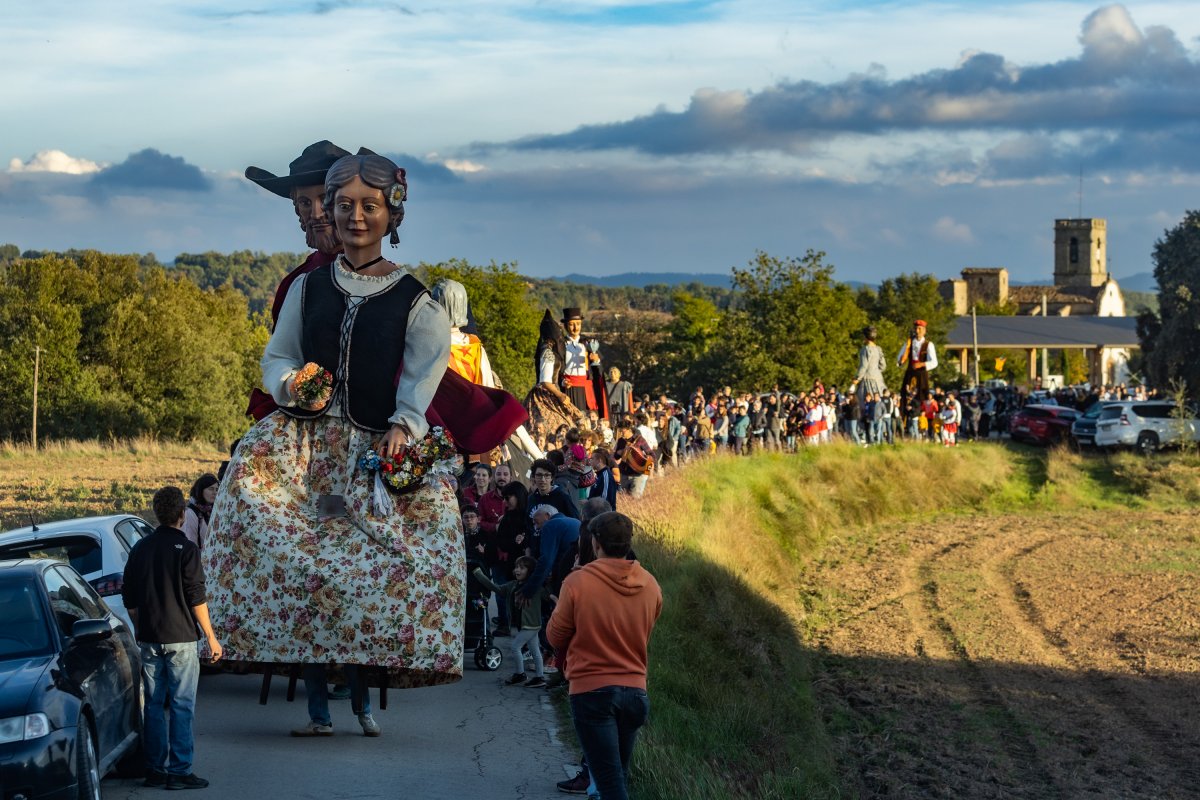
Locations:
(583, 379)
(917, 357)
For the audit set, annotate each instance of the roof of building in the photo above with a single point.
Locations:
(1039, 331)
(1023, 295)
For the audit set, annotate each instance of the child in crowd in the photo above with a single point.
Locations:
(478, 543)
(531, 621)
(951, 415)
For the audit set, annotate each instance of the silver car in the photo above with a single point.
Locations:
(1146, 425)
(97, 547)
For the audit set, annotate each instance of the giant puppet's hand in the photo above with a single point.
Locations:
(396, 437)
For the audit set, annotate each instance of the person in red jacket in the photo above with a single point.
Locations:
(606, 611)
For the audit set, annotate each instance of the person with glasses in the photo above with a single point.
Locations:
(544, 492)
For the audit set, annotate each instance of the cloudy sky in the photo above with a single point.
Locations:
(605, 136)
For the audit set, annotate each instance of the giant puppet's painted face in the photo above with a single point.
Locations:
(360, 213)
(319, 232)
(574, 328)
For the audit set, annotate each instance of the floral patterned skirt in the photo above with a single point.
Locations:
(288, 587)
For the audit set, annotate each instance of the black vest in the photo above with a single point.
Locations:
(363, 346)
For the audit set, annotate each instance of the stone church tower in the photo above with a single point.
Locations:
(1080, 252)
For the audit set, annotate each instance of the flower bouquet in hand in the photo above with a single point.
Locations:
(413, 465)
(312, 385)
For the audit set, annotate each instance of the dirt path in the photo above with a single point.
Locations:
(1019, 657)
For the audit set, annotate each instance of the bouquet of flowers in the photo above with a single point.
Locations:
(415, 463)
(311, 384)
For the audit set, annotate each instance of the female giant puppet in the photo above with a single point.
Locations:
(303, 570)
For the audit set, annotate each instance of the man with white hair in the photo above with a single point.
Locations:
(557, 533)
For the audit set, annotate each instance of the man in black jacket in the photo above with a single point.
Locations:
(165, 596)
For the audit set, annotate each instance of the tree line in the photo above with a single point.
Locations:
(127, 346)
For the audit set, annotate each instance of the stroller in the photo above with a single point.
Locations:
(477, 635)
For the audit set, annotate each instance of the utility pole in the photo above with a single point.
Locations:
(1045, 352)
(975, 344)
(37, 362)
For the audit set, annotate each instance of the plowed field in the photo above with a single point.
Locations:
(1014, 657)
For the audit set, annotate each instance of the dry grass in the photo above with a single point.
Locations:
(62, 480)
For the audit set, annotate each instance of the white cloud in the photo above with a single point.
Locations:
(463, 165)
(54, 161)
(947, 230)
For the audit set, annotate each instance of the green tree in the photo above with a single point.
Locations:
(795, 324)
(1171, 339)
(32, 316)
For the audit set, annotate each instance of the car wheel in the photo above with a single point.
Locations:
(1147, 442)
(88, 763)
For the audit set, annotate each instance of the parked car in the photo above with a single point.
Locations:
(70, 684)
(1145, 424)
(1041, 424)
(1083, 429)
(97, 547)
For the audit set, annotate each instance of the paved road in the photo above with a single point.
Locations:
(474, 739)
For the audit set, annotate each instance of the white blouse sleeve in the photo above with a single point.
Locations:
(426, 357)
(545, 372)
(284, 356)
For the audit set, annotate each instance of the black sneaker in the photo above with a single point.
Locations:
(536, 682)
(189, 781)
(577, 785)
(516, 680)
(155, 778)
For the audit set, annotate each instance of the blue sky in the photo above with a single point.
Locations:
(605, 136)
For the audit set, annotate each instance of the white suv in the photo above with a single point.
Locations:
(1146, 425)
(97, 547)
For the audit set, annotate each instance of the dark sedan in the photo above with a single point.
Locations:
(1041, 424)
(70, 680)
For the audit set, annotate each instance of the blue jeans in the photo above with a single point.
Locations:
(170, 673)
(852, 431)
(317, 689)
(607, 722)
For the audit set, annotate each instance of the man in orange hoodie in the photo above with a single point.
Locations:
(605, 613)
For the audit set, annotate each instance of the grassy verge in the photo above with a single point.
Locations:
(731, 676)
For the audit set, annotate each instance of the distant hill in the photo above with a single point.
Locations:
(643, 279)
(1139, 282)
(640, 280)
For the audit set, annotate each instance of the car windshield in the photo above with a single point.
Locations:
(79, 550)
(25, 632)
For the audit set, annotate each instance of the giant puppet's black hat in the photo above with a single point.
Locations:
(307, 170)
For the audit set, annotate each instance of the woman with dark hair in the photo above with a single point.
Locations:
(199, 509)
(310, 570)
(547, 404)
